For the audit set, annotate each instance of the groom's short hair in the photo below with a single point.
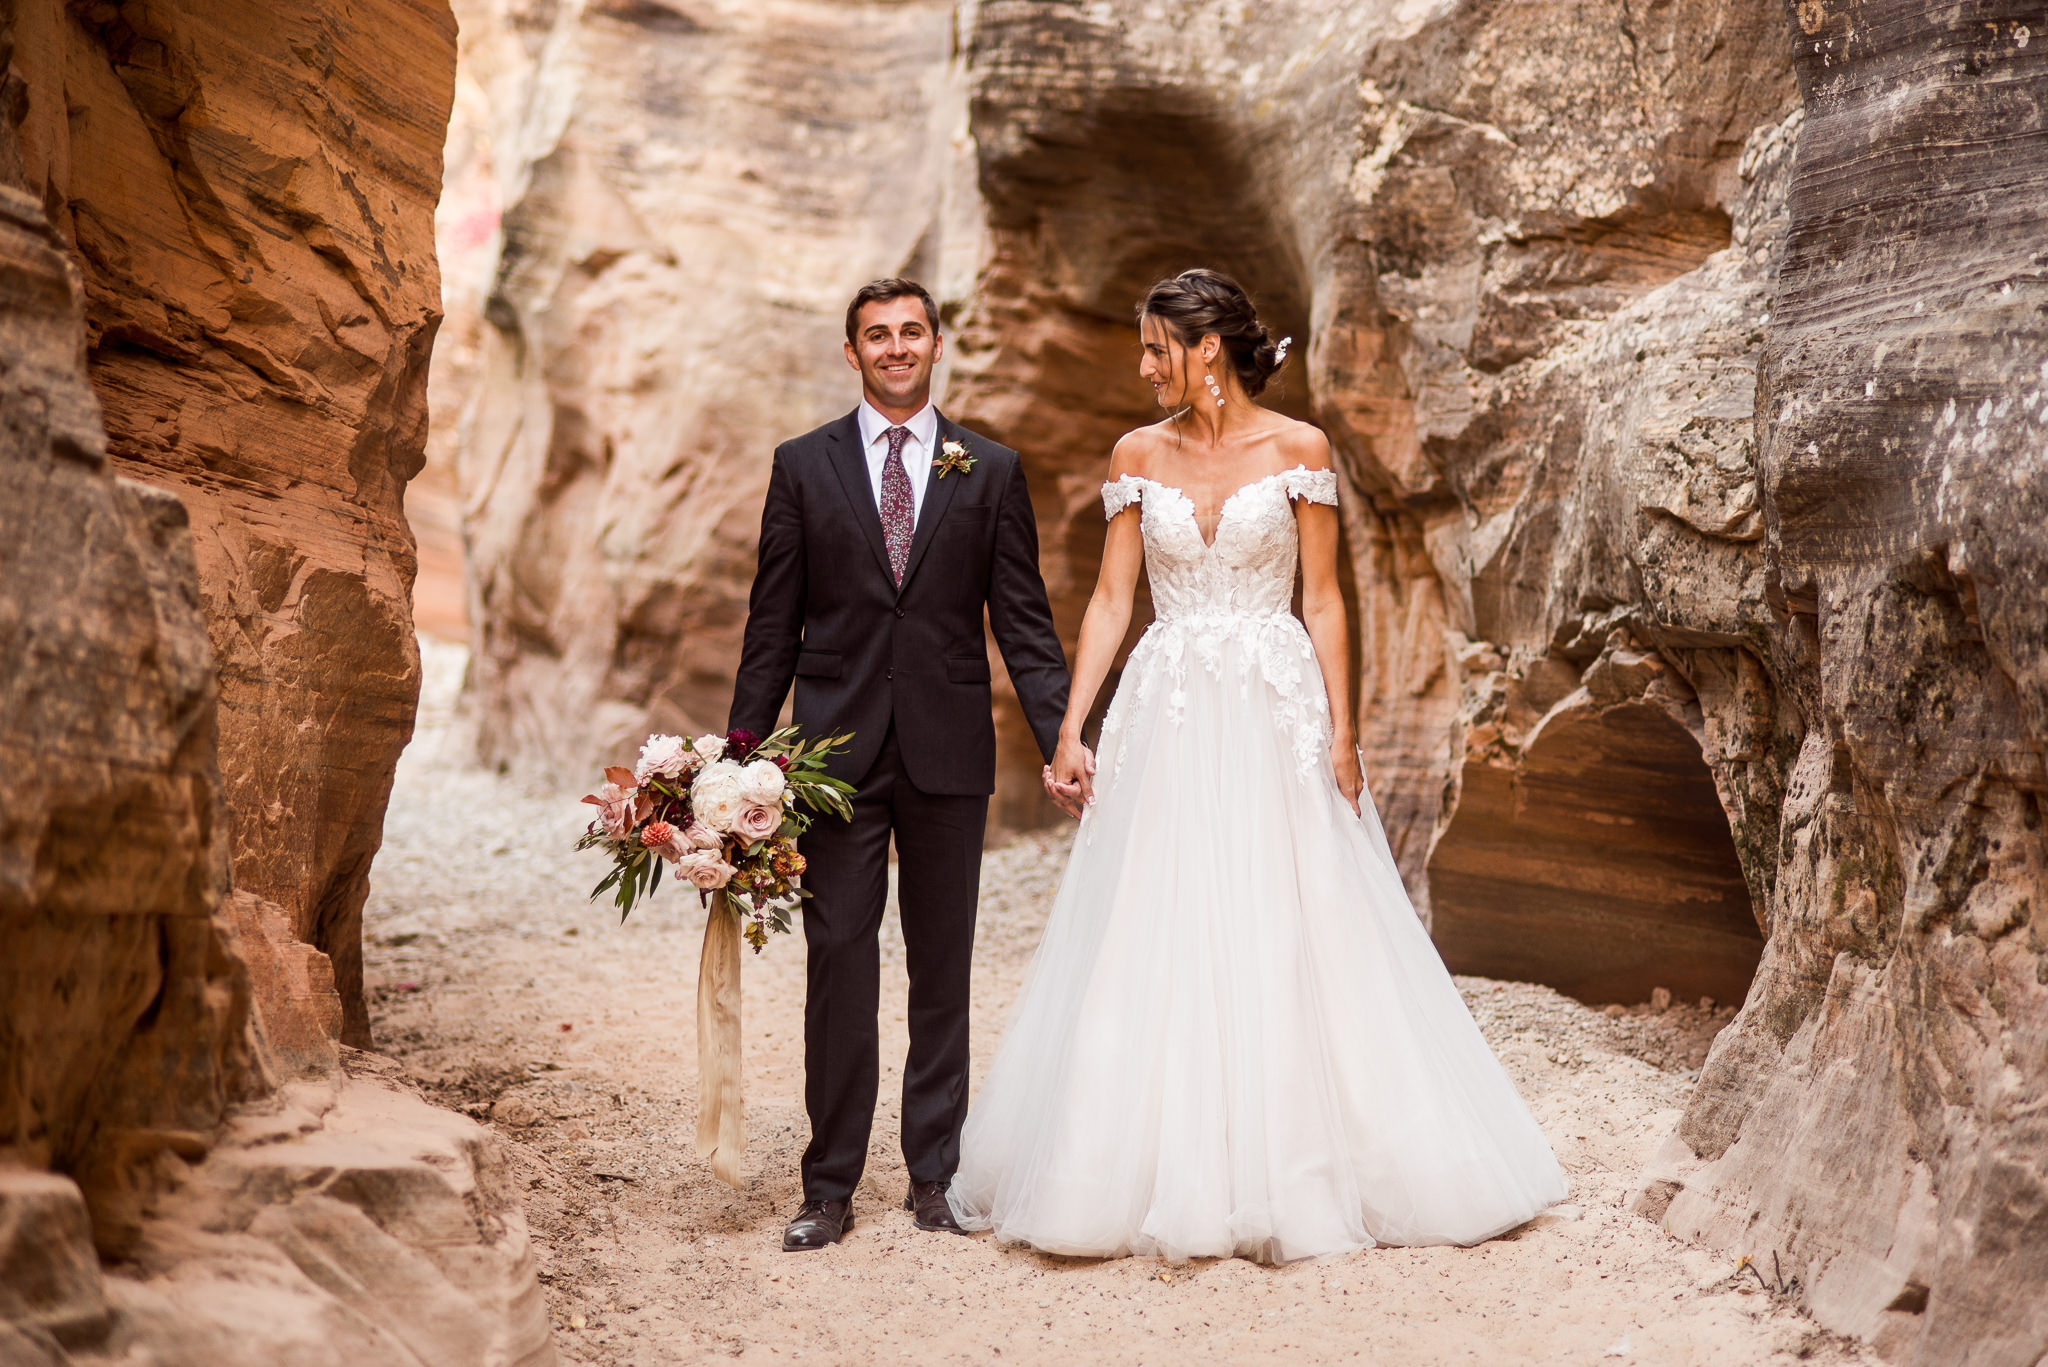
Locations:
(880, 292)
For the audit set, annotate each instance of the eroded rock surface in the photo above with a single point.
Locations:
(1693, 428)
(123, 1010)
(690, 195)
(162, 1203)
(249, 189)
(1877, 1110)
(345, 1221)
(341, 1221)
(1525, 252)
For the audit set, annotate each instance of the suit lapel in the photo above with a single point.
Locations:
(850, 463)
(938, 496)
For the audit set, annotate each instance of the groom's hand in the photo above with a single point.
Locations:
(1067, 799)
(1070, 778)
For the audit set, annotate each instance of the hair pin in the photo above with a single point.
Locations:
(1280, 352)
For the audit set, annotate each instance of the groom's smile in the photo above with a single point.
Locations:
(895, 346)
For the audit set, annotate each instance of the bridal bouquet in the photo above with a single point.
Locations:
(725, 812)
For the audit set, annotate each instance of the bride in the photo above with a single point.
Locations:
(1236, 1037)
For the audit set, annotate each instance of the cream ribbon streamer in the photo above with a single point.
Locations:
(721, 1125)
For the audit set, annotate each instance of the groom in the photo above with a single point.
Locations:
(886, 535)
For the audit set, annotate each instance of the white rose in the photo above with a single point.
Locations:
(705, 870)
(663, 757)
(716, 795)
(762, 783)
(709, 748)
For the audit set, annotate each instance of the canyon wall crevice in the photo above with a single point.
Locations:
(172, 1098)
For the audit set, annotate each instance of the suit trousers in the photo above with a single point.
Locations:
(938, 847)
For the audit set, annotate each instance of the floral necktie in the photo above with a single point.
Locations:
(899, 511)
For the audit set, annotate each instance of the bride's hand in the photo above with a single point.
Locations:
(1066, 800)
(1350, 781)
(1070, 778)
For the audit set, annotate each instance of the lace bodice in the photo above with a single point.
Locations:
(1248, 570)
(1224, 605)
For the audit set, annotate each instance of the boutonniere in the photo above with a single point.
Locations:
(953, 455)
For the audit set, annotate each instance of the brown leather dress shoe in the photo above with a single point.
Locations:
(819, 1224)
(927, 1203)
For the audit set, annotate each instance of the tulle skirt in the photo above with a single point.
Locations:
(1236, 1038)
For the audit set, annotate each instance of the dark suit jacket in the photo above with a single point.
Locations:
(826, 612)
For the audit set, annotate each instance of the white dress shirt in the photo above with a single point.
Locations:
(918, 452)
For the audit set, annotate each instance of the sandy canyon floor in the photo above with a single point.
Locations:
(503, 992)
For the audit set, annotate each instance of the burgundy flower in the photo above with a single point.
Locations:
(780, 761)
(740, 744)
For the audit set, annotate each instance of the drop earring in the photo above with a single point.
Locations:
(1215, 390)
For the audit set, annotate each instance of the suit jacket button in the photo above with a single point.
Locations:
(899, 612)
(890, 675)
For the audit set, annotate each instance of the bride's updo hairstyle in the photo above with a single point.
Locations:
(1196, 303)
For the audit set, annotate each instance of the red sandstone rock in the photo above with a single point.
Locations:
(248, 188)
(344, 1221)
(50, 1286)
(1875, 1115)
(681, 230)
(123, 1015)
(1445, 214)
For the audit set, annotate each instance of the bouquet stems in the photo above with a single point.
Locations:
(721, 1127)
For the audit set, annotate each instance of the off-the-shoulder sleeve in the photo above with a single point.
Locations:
(1317, 486)
(1119, 494)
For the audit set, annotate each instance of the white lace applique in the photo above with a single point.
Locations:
(1313, 486)
(1220, 602)
(1119, 494)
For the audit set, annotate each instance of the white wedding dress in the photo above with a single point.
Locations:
(1236, 1037)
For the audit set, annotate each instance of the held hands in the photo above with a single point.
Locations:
(1070, 778)
(1350, 779)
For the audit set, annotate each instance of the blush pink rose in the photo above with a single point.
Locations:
(701, 836)
(756, 822)
(705, 870)
(616, 808)
(664, 757)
